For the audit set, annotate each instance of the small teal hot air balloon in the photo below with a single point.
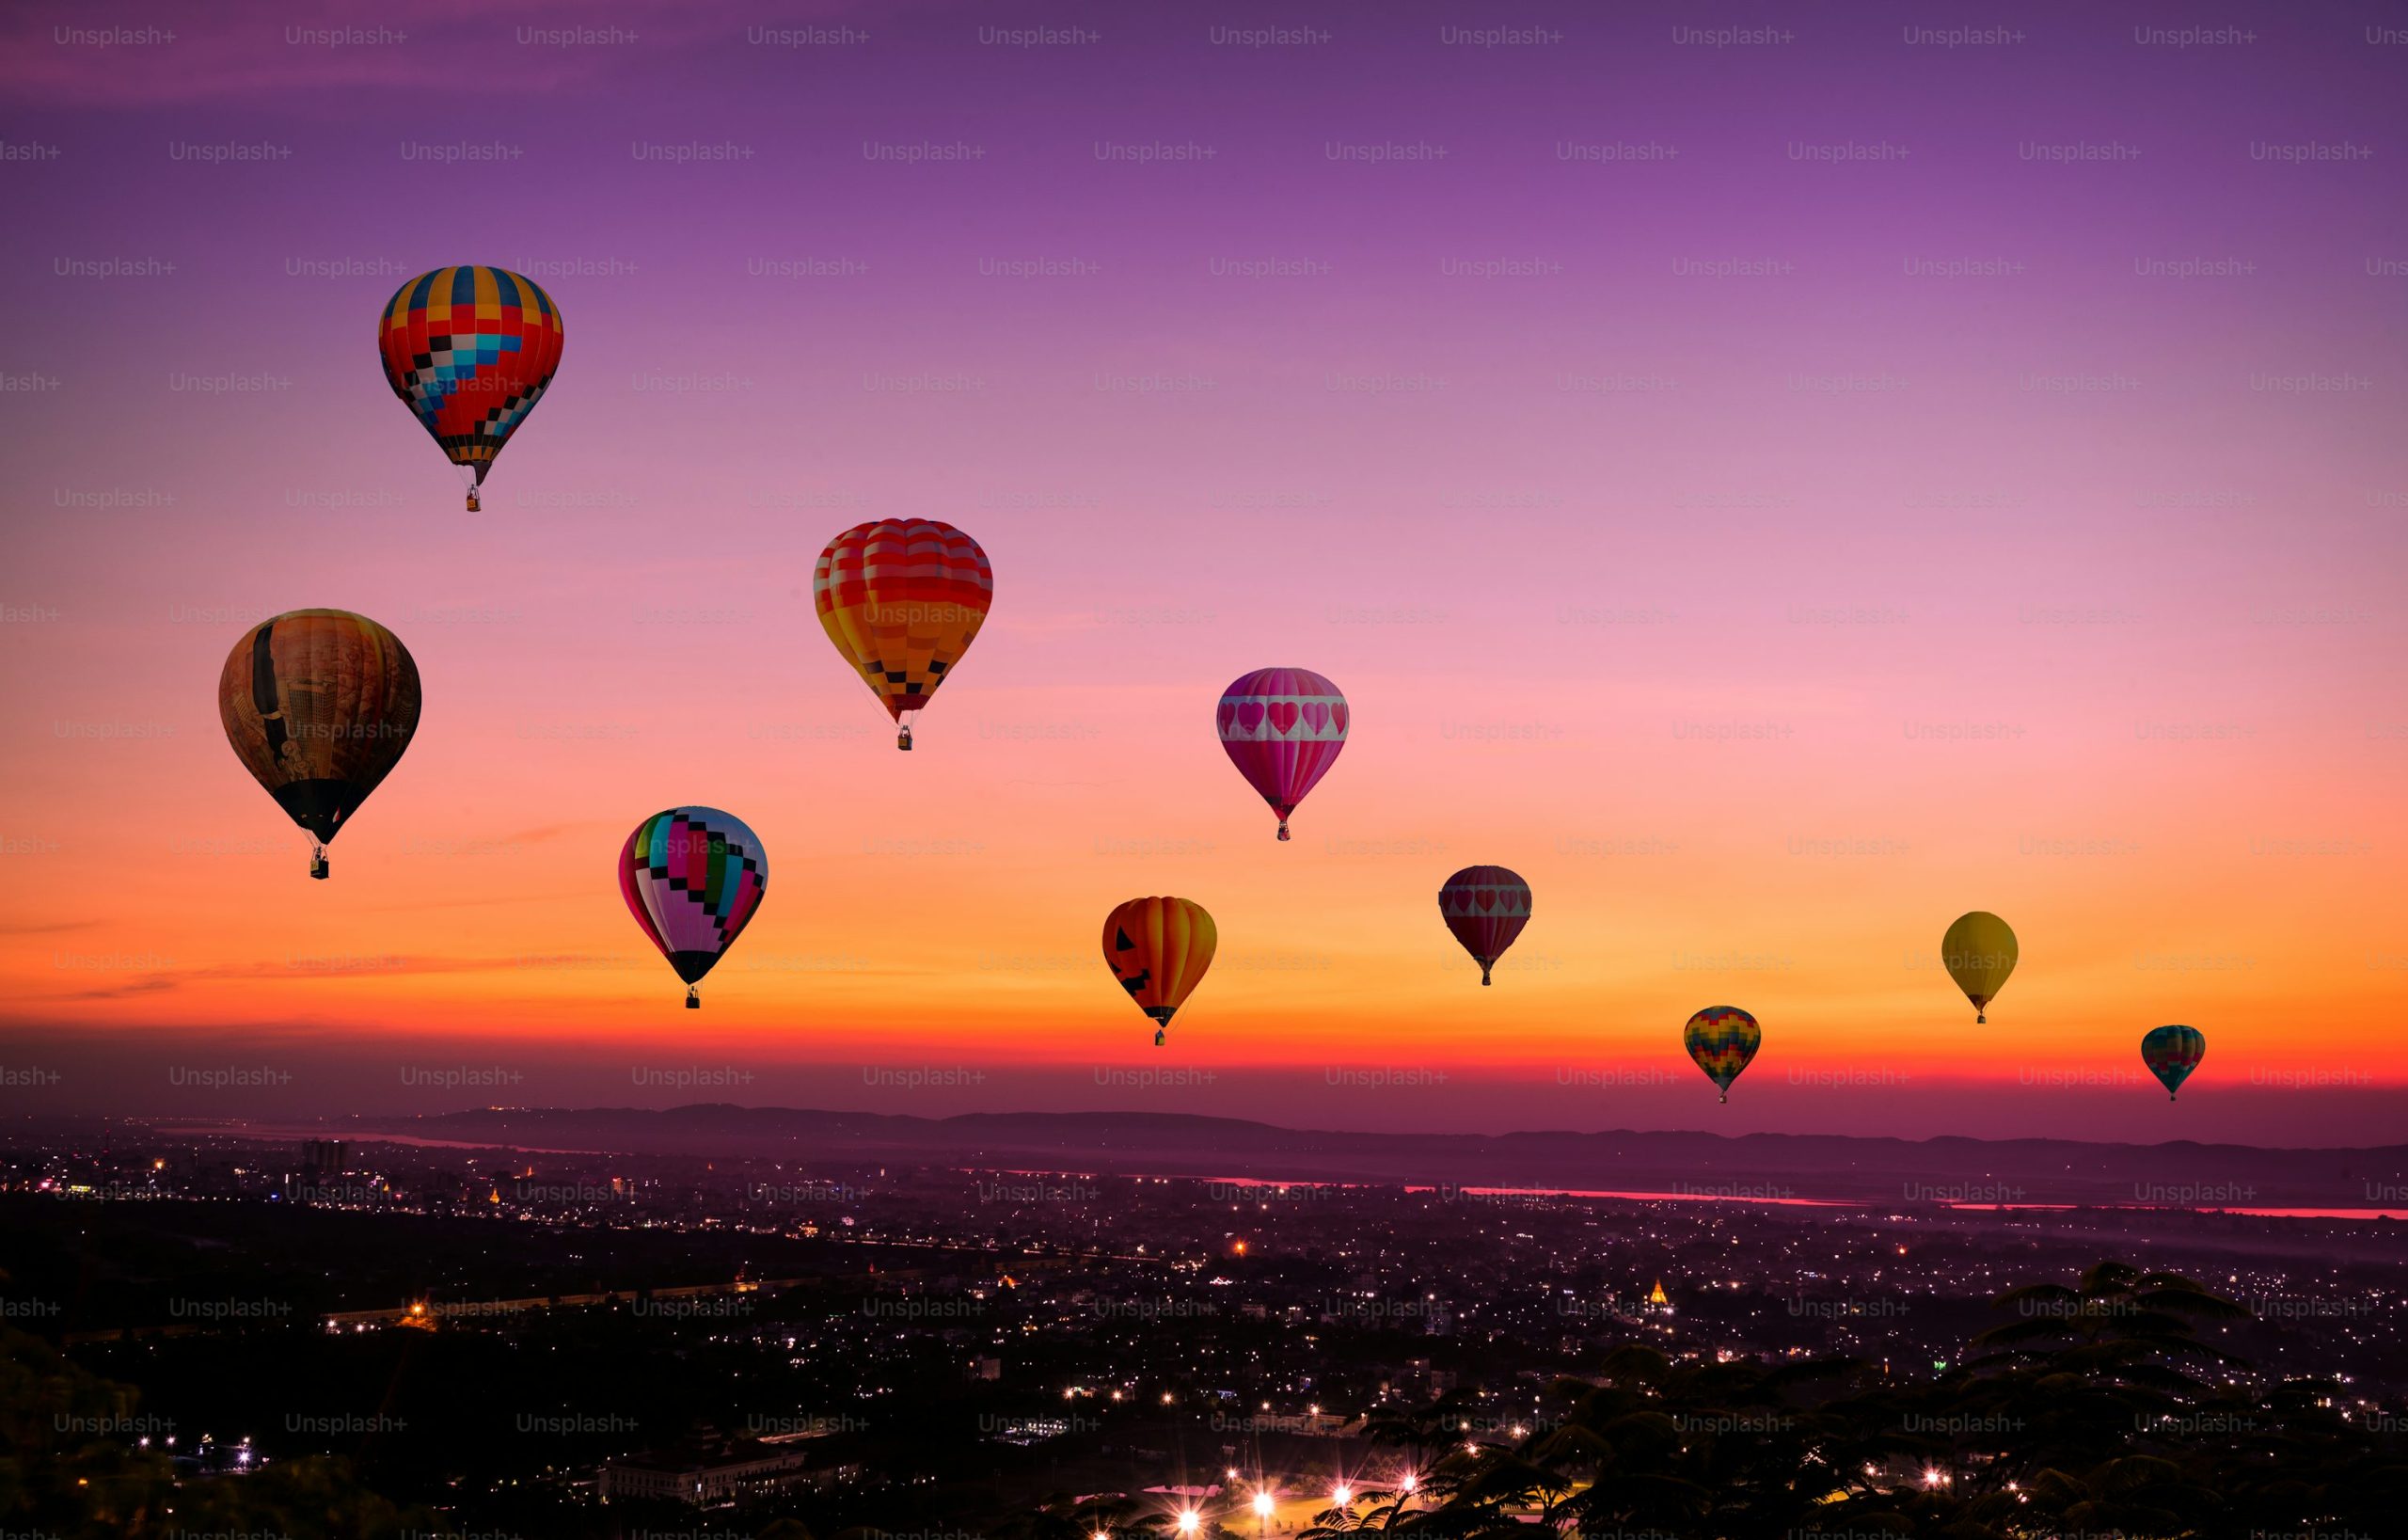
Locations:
(2172, 1052)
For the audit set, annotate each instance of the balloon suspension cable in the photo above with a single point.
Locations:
(693, 998)
(317, 860)
(1484, 979)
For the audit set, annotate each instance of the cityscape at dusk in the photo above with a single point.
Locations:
(1727, 686)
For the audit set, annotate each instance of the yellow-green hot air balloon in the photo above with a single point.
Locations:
(1979, 951)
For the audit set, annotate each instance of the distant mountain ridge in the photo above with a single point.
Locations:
(1806, 1165)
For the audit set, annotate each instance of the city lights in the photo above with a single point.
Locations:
(1775, 477)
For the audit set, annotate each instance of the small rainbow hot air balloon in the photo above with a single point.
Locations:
(469, 351)
(1158, 948)
(318, 705)
(1979, 952)
(1486, 908)
(902, 599)
(1723, 1038)
(2172, 1052)
(1282, 728)
(692, 876)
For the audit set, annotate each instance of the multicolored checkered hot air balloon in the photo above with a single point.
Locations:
(469, 350)
(2172, 1052)
(902, 599)
(1723, 1038)
(692, 876)
(1282, 728)
(318, 705)
(1158, 948)
(1486, 908)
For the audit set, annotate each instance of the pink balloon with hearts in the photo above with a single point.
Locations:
(1485, 907)
(1282, 728)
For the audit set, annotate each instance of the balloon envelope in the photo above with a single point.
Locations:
(902, 599)
(1158, 948)
(692, 876)
(1979, 951)
(469, 351)
(1486, 908)
(1723, 1038)
(1282, 728)
(318, 705)
(2172, 1052)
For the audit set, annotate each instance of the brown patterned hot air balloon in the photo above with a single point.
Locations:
(319, 705)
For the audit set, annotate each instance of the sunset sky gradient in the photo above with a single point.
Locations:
(1870, 511)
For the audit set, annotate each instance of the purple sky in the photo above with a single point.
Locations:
(1777, 476)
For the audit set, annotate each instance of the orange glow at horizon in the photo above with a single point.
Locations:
(1804, 879)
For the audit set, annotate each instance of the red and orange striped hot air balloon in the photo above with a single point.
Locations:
(902, 599)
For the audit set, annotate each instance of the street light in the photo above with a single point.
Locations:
(1263, 1509)
(1342, 1494)
(1189, 1520)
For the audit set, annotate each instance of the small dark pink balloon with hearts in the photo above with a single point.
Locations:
(1485, 908)
(1282, 728)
